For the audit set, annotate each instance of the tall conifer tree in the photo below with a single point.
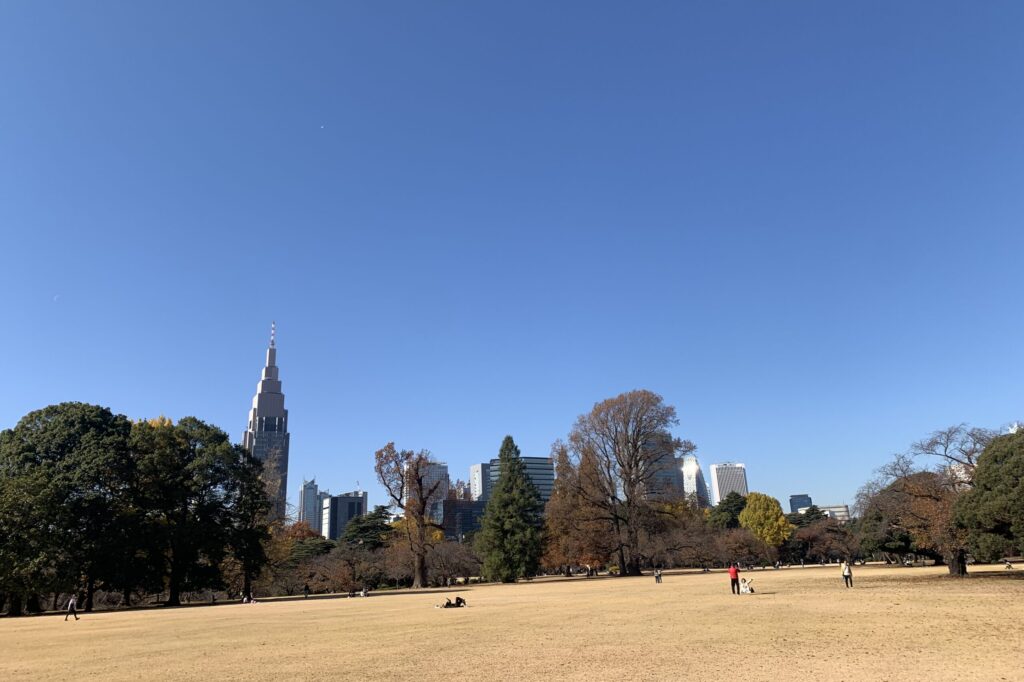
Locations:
(510, 540)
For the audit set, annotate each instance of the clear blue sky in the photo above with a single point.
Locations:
(801, 223)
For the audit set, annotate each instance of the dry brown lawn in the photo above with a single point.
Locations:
(895, 624)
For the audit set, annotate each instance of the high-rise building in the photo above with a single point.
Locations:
(338, 510)
(694, 485)
(666, 483)
(480, 481)
(540, 471)
(797, 502)
(729, 477)
(462, 517)
(311, 504)
(436, 473)
(267, 434)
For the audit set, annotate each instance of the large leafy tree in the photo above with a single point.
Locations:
(65, 471)
(993, 510)
(620, 449)
(763, 517)
(575, 533)
(186, 475)
(510, 538)
(249, 508)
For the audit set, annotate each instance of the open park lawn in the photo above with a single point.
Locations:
(895, 624)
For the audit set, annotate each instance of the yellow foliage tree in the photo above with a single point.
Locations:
(764, 518)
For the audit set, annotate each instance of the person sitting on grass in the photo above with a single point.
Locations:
(1009, 566)
(746, 586)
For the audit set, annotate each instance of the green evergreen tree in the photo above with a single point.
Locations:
(372, 530)
(726, 514)
(510, 540)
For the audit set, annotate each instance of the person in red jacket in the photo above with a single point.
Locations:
(734, 578)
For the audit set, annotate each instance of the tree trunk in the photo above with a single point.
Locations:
(126, 597)
(32, 604)
(419, 569)
(90, 592)
(14, 609)
(174, 588)
(246, 586)
(56, 601)
(622, 561)
(957, 562)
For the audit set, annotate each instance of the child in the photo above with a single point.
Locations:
(746, 586)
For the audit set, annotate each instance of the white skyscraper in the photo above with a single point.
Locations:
(694, 485)
(309, 504)
(480, 481)
(729, 477)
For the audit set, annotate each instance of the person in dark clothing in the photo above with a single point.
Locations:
(734, 578)
(305, 590)
(72, 608)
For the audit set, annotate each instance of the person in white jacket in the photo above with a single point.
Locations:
(847, 574)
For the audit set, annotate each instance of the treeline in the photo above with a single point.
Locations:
(92, 501)
(372, 553)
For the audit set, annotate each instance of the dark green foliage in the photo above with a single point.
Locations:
(89, 501)
(993, 510)
(64, 470)
(372, 530)
(510, 539)
(880, 533)
(248, 508)
(726, 514)
(309, 548)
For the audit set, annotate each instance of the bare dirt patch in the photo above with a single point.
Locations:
(895, 624)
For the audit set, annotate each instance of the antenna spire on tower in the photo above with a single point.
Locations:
(273, 333)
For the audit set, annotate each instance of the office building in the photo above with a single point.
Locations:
(694, 486)
(267, 434)
(540, 471)
(462, 517)
(311, 504)
(839, 512)
(798, 502)
(728, 477)
(435, 477)
(666, 483)
(338, 510)
(480, 481)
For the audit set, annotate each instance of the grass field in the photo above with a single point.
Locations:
(895, 624)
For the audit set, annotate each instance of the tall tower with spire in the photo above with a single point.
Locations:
(267, 435)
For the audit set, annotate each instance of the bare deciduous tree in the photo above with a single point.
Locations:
(957, 447)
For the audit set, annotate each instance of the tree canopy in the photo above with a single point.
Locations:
(726, 514)
(993, 510)
(763, 517)
(511, 531)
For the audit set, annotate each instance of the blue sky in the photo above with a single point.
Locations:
(800, 223)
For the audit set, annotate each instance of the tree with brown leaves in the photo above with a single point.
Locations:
(620, 450)
(412, 486)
